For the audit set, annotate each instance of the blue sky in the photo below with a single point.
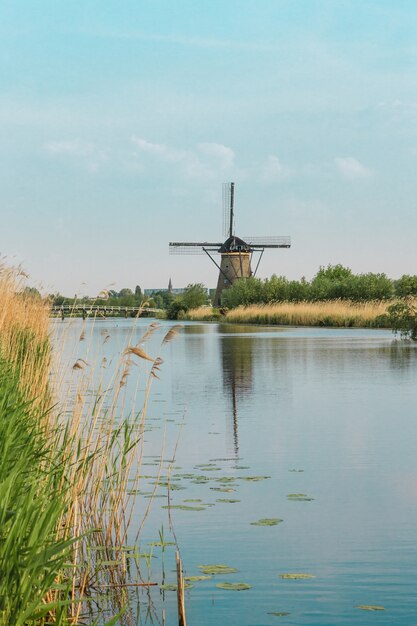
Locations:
(119, 122)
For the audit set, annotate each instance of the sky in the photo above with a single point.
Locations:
(120, 120)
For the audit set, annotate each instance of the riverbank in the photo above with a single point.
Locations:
(337, 313)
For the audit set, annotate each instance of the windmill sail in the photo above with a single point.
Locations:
(268, 242)
(184, 247)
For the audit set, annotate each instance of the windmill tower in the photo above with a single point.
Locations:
(236, 254)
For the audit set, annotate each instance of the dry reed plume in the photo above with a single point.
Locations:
(339, 313)
(96, 440)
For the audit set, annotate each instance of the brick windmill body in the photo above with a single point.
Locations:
(236, 254)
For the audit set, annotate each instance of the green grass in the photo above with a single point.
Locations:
(32, 555)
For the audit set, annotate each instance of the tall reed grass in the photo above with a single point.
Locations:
(338, 313)
(70, 463)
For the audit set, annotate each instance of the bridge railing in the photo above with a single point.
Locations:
(90, 309)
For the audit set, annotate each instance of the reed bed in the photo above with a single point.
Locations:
(71, 447)
(336, 313)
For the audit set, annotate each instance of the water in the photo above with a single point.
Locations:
(338, 406)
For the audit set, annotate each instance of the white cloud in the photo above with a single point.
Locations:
(274, 171)
(86, 153)
(222, 155)
(352, 169)
(73, 147)
(205, 162)
(161, 151)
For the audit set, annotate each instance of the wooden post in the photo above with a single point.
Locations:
(84, 314)
(62, 314)
(125, 313)
(180, 592)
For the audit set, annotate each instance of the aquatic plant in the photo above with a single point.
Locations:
(69, 470)
(233, 586)
(334, 313)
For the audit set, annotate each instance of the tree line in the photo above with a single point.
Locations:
(330, 283)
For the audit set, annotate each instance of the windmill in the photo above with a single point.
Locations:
(236, 254)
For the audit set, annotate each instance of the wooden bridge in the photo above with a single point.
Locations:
(101, 310)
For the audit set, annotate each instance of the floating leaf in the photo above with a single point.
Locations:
(299, 497)
(370, 607)
(192, 579)
(226, 500)
(223, 489)
(217, 569)
(279, 613)
(267, 521)
(193, 500)
(161, 544)
(253, 479)
(296, 576)
(233, 586)
(184, 507)
(296, 470)
(172, 587)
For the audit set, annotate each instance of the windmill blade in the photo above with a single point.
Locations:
(184, 247)
(227, 208)
(268, 242)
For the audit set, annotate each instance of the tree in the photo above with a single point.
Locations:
(402, 317)
(125, 292)
(406, 286)
(194, 296)
(32, 292)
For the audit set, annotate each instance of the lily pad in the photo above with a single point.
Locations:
(172, 587)
(253, 479)
(299, 497)
(192, 579)
(279, 613)
(193, 500)
(227, 500)
(370, 607)
(296, 576)
(184, 507)
(217, 569)
(223, 489)
(233, 586)
(271, 521)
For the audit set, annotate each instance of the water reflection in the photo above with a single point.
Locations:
(237, 366)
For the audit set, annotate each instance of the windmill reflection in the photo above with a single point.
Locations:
(236, 354)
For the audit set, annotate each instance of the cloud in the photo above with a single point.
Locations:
(352, 169)
(222, 155)
(160, 151)
(204, 162)
(72, 147)
(87, 153)
(274, 171)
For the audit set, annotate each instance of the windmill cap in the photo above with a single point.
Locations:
(235, 244)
